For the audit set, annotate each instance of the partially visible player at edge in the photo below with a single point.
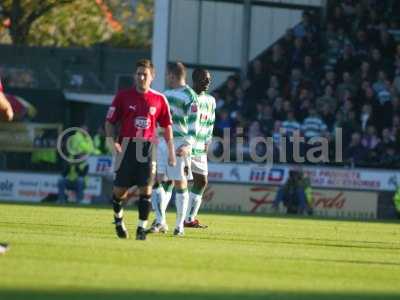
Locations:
(184, 111)
(137, 111)
(7, 114)
(199, 166)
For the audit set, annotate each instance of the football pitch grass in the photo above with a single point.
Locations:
(72, 252)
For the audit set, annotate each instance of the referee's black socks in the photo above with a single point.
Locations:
(117, 207)
(144, 206)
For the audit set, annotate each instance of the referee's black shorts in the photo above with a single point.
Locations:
(138, 165)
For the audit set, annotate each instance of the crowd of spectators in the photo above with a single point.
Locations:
(344, 74)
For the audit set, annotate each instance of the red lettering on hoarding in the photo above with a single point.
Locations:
(215, 175)
(323, 201)
(27, 193)
(261, 200)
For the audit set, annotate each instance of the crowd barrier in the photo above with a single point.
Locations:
(249, 188)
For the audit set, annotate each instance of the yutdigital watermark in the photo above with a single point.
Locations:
(67, 145)
(229, 148)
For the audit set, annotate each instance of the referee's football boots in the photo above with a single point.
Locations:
(141, 233)
(120, 228)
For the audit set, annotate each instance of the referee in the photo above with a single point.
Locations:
(136, 112)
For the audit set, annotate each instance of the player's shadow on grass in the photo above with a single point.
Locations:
(125, 295)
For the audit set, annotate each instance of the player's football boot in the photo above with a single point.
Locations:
(177, 232)
(4, 248)
(141, 234)
(155, 228)
(120, 228)
(195, 224)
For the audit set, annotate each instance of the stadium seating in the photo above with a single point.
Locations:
(348, 70)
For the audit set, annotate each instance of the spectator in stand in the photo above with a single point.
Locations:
(303, 103)
(361, 45)
(230, 87)
(381, 82)
(342, 38)
(364, 73)
(286, 43)
(259, 111)
(272, 94)
(298, 53)
(295, 83)
(254, 134)
(239, 100)
(395, 129)
(310, 71)
(276, 64)
(219, 101)
(397, 54)
(274, 82)
(367, 117)
(329, 79)
(371, 142)
(327, 115)
(312, 44)
(287, 106)
(378, 63)
(258, 80)
(332, 52)
(267, 121)
(368, 97)
(305, 26)
(223, 122)
(360, 18)
(347, 62)
(290, 125)
(346, 85)
(349, 9)
(390, 159)
(386, 44)
(313, 126)
(387, 138)
(328, 99)
(339, 19)
(350, 125)
(356, 154)
(279, 113)
(394, 107)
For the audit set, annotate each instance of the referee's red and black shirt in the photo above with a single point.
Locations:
(139, 113)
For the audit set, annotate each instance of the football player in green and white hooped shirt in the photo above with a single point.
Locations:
(183, 107)
(202, 139)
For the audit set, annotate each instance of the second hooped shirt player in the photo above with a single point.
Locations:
(193, 112)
